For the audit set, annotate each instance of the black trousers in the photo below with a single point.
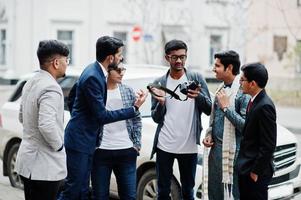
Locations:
(38, 190)
(250, 190)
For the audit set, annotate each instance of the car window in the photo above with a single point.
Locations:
(17, 92)
(141, 83)
(66, 84)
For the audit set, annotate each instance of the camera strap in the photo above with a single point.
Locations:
(171, 93)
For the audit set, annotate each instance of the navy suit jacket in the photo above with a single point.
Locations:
(88, 113)
(259, 138)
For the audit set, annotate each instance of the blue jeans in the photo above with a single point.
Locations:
(187, 167)
(123, 163)
(77, 182)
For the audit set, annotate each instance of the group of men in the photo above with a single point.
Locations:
(104, 132)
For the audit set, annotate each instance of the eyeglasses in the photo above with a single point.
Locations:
(242, 80)
(175, 57)
(119, 70)
(68, 60)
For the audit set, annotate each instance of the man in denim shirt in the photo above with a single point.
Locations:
(225, 129)
(120, 143)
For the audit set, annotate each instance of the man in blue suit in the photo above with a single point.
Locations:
(89, 115)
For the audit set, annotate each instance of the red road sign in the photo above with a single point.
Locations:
(136, 33)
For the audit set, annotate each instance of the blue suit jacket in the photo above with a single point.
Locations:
(89, 113)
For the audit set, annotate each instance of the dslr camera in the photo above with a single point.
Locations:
(192, 85)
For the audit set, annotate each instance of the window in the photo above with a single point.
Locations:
(67, 38)
(122, 36)
(215, 46)
(66, 84)
(2, 47)
(280, 46)
(17, 92)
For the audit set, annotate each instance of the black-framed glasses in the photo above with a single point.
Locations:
(119, 70)
(242, 80)
(176, 57)
(68, 60)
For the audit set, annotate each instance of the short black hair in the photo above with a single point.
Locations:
(174, 45)
(256, 72)
(227, 58)
(49, 48)
(106, 46)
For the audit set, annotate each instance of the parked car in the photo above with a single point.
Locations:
(285, 183)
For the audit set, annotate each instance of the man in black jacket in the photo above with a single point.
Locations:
(255, 159)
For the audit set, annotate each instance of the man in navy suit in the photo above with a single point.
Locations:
(255, 159)
(89, 115)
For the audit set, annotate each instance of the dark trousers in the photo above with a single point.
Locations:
(250, 190)
(187, 167)
(37, 190)
(79, 166)
(123, 163)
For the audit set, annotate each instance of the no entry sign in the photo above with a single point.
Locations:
(136, 33)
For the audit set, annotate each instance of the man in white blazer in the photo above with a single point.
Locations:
(41, 159)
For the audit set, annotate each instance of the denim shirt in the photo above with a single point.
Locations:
(235, 114)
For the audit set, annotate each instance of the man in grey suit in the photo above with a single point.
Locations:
(41, 159)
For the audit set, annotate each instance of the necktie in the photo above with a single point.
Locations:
(227, 85)
(249, 105)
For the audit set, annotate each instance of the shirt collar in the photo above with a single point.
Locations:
(253, 98)
(105, 72)
(48, 74)
(228, 85)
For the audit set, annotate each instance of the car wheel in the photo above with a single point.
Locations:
(147, 187)
(14, 178)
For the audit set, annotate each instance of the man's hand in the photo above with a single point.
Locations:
(140, 98)
(207, 141)
(136, 148)
(222, 99)
(194, 93)
(254, 176)
(159, 93)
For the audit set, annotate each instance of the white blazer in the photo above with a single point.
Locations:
(42, 116)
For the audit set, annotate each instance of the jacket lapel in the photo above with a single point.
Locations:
(103, 79)
(257, 99)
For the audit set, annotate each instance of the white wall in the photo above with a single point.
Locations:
(193, 21)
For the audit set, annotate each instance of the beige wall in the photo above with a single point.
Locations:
(269, 18)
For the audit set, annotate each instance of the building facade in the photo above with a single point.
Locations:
(145, 26)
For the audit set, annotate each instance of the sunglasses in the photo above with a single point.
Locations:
(120, 70)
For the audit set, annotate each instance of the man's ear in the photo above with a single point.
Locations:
(109, 59)
(230, 68)
(253, 83)
(167, 58)
(55, 63)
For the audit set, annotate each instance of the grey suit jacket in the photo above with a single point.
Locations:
(42, 114)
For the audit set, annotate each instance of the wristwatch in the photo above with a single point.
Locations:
(225, 109)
